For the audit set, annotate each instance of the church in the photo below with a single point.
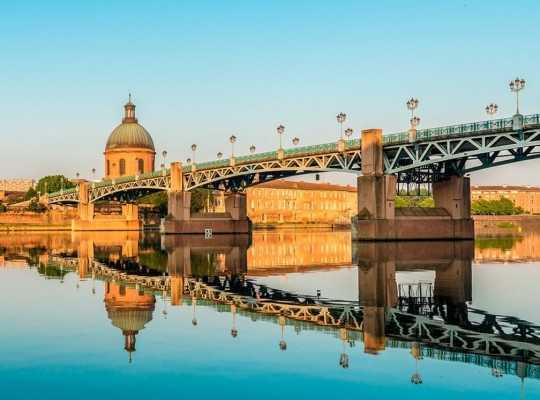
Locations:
(130, 149)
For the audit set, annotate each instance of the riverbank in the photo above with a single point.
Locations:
(505, 224)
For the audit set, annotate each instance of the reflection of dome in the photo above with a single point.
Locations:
(129, 319)
(129, 133)
(129, 310)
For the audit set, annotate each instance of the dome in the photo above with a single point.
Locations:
(129, 134)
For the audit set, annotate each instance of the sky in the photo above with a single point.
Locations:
(200, 71)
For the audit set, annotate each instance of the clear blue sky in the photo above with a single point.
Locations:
(200, 71)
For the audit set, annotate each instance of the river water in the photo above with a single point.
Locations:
(300, 314)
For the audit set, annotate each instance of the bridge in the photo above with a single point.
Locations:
(441, 157)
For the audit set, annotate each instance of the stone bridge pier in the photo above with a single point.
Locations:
(89, 220)
(378, 219)
(181, 220)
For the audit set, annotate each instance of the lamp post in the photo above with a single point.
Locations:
(280, 130)
(193, 148)
(93, 174)
(491, 110)
(517, 86)
(164, 154)
(341, 117)
(188, 161)
(348, 133)
(219, 155)
(412, 105)
(232, 139)
(252, 149)
(295, 141)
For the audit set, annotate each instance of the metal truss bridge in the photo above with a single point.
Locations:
(435, 154)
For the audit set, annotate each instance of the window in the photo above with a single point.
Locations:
(108, 167)
(140, 166)
(122, 167)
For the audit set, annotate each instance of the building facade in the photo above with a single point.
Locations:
(282, 201)
(526, 197)
(130, 148)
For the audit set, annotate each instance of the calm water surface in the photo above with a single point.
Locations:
(286, 315)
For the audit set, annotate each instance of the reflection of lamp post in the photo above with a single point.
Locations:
(496, 371)
(417, 354)
(282, 343)
(93, 280)
(194, 320)
(234, 331)
(344, 358)
(517, 86)
(164, 297)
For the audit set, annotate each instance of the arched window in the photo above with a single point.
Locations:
(140, 167)
(108, 167)
(122, 167)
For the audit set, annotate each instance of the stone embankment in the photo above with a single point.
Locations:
(505, 224)
(29, 221)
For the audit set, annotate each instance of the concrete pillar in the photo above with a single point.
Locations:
(179, 205)
(130, 211)
(176, 177)
(454, 195)
(236, 206)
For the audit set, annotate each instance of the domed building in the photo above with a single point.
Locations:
(130, 148)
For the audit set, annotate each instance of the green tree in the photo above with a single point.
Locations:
(30, 194)
(36, 207)
(158, 200)
(3, 208)
(53, 183)
(201, 199)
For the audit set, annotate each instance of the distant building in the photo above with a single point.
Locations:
(130, 148)
(526, 197)
(10, 186)
(289, 201)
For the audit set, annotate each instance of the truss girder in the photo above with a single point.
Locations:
(458, 151)
(142, 186)
(235, 177)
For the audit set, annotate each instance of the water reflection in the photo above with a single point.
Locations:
(430, 318)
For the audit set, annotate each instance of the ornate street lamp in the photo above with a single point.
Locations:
(193, 148)
(93, 174)
(232, 140)
(341, 119)
(517, 86)
(77, 175)
(295, 141)
(491, 110)
(164, 154)
(412, 104)
(219, 155)
(252, 149)
(280, 130)
(188, 161)
(348, 133)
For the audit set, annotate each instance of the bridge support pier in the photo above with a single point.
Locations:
(88, 220)
(378, 219)
(181, 220)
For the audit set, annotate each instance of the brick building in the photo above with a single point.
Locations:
(526, 197)
(289, 201)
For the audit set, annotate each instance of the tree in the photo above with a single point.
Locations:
(201, 199)
(53, 183)
(3, 208)
(158, 200)
(30, 194)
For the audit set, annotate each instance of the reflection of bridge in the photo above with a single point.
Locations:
(442, 326)
(440, 156)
